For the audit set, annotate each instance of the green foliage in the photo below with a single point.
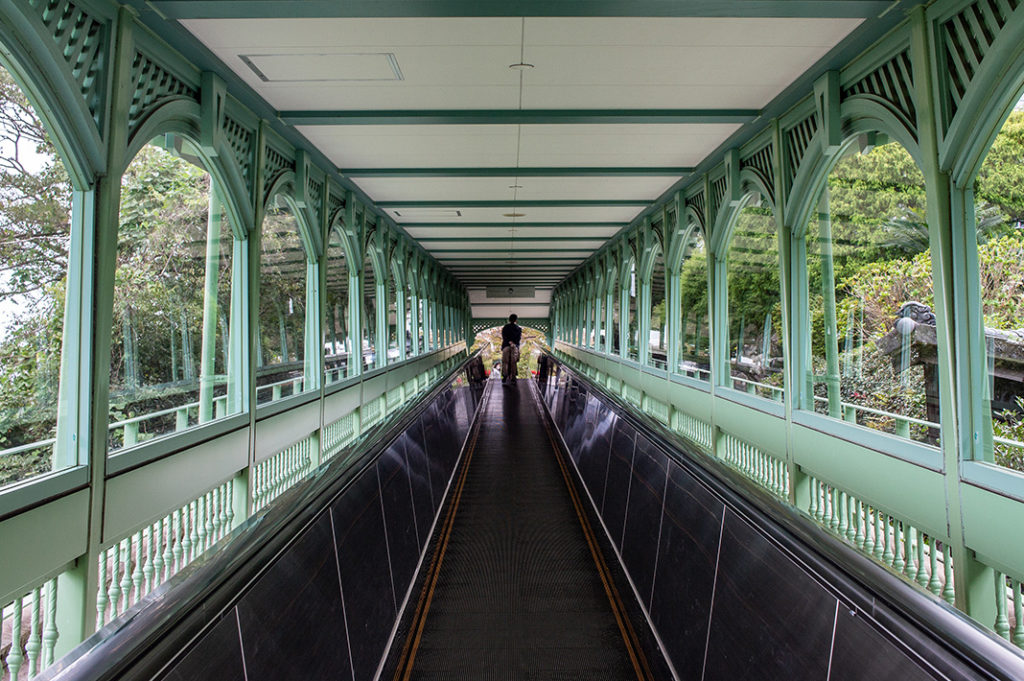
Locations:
(35, 202)
(1000, 180)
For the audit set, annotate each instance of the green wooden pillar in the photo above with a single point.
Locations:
(208, 355)
(609, 320)
(355, 323)
(312, 347)
(718, 318)
(643, 309)
(623, 320)
(415, 321)
(828, 293)
(381, 332)
(674, 328)
(238, 382)
(400, 323)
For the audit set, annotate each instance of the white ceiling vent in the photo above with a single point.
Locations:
(324, 67)
(510, 292)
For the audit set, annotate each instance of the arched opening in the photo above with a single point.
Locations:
(489, 342)
(283, 320)
(35, 235)
(368, 314)
(338, 363)
(872, 341)
(172, 366)
(695, 339)
(999, 223)
(754, 324)
(632, 320)
(657, 343)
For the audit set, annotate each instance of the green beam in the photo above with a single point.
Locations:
(557, 203)
(505, 250)
(518, 116)
(504, 239)
(309, 9)
(610, 171)
(510, 225)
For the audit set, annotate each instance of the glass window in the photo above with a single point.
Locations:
(695, 341)
(755, 309)
(632, 320)
(35, 232)
(999, 217)
(170, 356)
(869, 282)
(394, 325)
(657, 343)
(616, 295)
(369, 315)
(283, 322)
(410, 349)
(337, 338)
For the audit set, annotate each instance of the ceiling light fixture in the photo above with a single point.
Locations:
(515, 186)
(514, 215)
(520, 66)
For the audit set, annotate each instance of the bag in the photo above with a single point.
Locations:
(514, 352)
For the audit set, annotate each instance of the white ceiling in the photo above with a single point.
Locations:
(420, 64)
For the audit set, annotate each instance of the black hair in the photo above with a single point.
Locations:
(512, 318)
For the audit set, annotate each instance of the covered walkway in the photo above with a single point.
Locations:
(243, 244)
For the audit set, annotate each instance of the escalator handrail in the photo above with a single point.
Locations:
(859, 579)
(151, 634)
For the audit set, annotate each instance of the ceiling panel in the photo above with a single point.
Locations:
(400, 146)
(501, 188)
(617, 214)
(520, 232)
(622, 145)
(579, 63)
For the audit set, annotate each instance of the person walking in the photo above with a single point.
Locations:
(511, 335)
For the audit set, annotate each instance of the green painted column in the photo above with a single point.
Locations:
(828, 294)
(415, 322)
(718, 319)
(643, 309)
(355, 323)
(598, 317)
(312, 347)
(208, 355)
(609, 321)
(975, 581)
(237, 357)
(381, 331)
(400, 323)
(624, 321)
(674, 327)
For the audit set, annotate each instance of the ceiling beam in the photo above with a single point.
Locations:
(516, 225)
(626, 171)
(557, 203)
(275, 9)
(519, 116)
(506, 239)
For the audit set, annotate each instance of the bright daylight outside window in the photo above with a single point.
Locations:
(869, 278)
(35, 229)
(283, 322)
(172, 363)
(755, 309)
(338, 363)
(999, 216)
(694, 346)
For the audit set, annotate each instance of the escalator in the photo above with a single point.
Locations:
(538, 531)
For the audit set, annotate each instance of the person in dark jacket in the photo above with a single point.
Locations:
(511, 334)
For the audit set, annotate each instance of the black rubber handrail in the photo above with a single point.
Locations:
(922, 617)
(150, 634)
